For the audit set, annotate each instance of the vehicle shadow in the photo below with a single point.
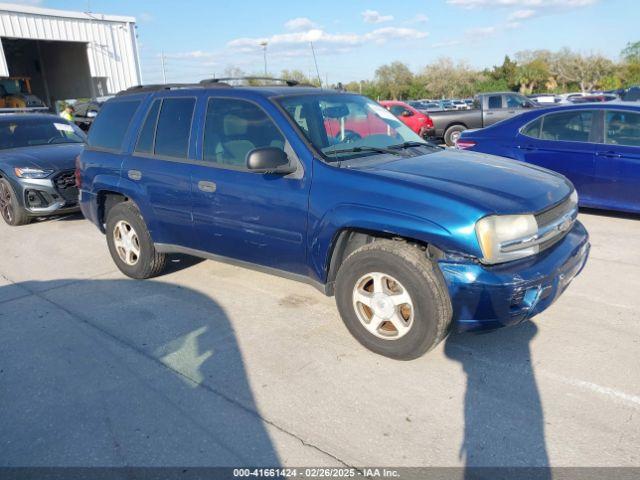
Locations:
(504, 421)
(120, 373)
(610, 213)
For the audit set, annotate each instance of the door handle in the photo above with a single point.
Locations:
(134, 174)
(208, 187)
(525, 147)
(608, 154)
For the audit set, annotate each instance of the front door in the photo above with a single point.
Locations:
(563, 142)
(252, 217)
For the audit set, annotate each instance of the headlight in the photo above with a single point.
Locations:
(497, 230)
(33, 173)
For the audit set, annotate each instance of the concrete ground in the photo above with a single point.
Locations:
(217, 365)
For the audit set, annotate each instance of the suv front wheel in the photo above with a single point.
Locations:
(130, 244)
(392, 299)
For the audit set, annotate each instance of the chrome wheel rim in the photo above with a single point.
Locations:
(455, 136)
(5, 203)
(126, 242)
(383, 306)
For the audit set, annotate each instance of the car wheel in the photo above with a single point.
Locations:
(452, 134)
(11, 211)
(130, 243)
(393, 300)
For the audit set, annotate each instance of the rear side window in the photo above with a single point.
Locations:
(495, 101)
(574, 126)
(147, 134)
(174, 127)
(532, 129)
(111, 125)
(622, 128)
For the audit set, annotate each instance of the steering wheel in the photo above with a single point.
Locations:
(349, 137)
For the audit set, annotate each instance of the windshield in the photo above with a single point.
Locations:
(29, 132)
(11, 86)
(343, 126)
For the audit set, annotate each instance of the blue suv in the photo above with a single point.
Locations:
(331, 189)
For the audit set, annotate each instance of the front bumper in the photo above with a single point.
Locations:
(487, 297)
(47, 196)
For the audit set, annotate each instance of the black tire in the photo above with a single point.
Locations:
(451, 132)
(149, 263)
(10, 209)
(424, 283)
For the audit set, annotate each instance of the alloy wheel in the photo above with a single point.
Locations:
(383, 306)
(126, 242)
(6, 208)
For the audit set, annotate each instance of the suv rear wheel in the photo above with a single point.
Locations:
(130, 244)
(11, 211)
(392, 299)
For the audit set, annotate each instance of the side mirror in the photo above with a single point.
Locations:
(92, 114)
(269, 160)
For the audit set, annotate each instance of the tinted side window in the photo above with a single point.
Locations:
(572, 126)
(532, 129)
(110, 126)
(174, 127)
(495, 101)
(622, 128)
(233, 128)
(147, 133)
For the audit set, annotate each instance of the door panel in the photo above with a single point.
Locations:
(258, 218)
(160, 170)
(617, 161)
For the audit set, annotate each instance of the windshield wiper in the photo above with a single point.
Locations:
(365, 149)
(414, 144)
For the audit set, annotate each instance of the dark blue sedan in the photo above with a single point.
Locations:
(596, 146)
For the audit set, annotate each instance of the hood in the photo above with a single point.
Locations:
(492, 184)
(48, 157)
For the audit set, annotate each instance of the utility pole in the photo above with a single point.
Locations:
(264, 52)
(164, 72)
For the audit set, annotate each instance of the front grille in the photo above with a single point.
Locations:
(551, 215)
(65, 183)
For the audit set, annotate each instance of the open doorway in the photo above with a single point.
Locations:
(56, 70)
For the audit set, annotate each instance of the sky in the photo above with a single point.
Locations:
(203, 38)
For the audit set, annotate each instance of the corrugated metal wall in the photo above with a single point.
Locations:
(111, 45)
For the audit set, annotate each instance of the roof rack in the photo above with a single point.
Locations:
(164, 86)
(289, 83)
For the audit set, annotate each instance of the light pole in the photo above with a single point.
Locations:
(264, 51)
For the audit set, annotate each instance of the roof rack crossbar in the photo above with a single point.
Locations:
(289, 83)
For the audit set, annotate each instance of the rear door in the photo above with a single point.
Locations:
(159, 168)
(493, 110)
(252, 217)
(563, 142)
(617, 161)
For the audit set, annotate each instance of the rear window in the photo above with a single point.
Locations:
(532, 129)
(495, 101)
(111, 124)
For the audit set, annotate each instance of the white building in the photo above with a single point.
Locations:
(68, 54)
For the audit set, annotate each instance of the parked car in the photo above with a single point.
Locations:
(425, 107)
(632, 94)
(489, 108)
(460, 105)
(85, 112)
(593, 98)
(412, 239)
(417, 121)
(596, 146)
(543, 99)
(37, 160)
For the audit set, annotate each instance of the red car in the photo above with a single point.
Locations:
(412, 118)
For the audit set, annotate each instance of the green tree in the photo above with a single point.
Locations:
(394, 80)
(631, 53)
